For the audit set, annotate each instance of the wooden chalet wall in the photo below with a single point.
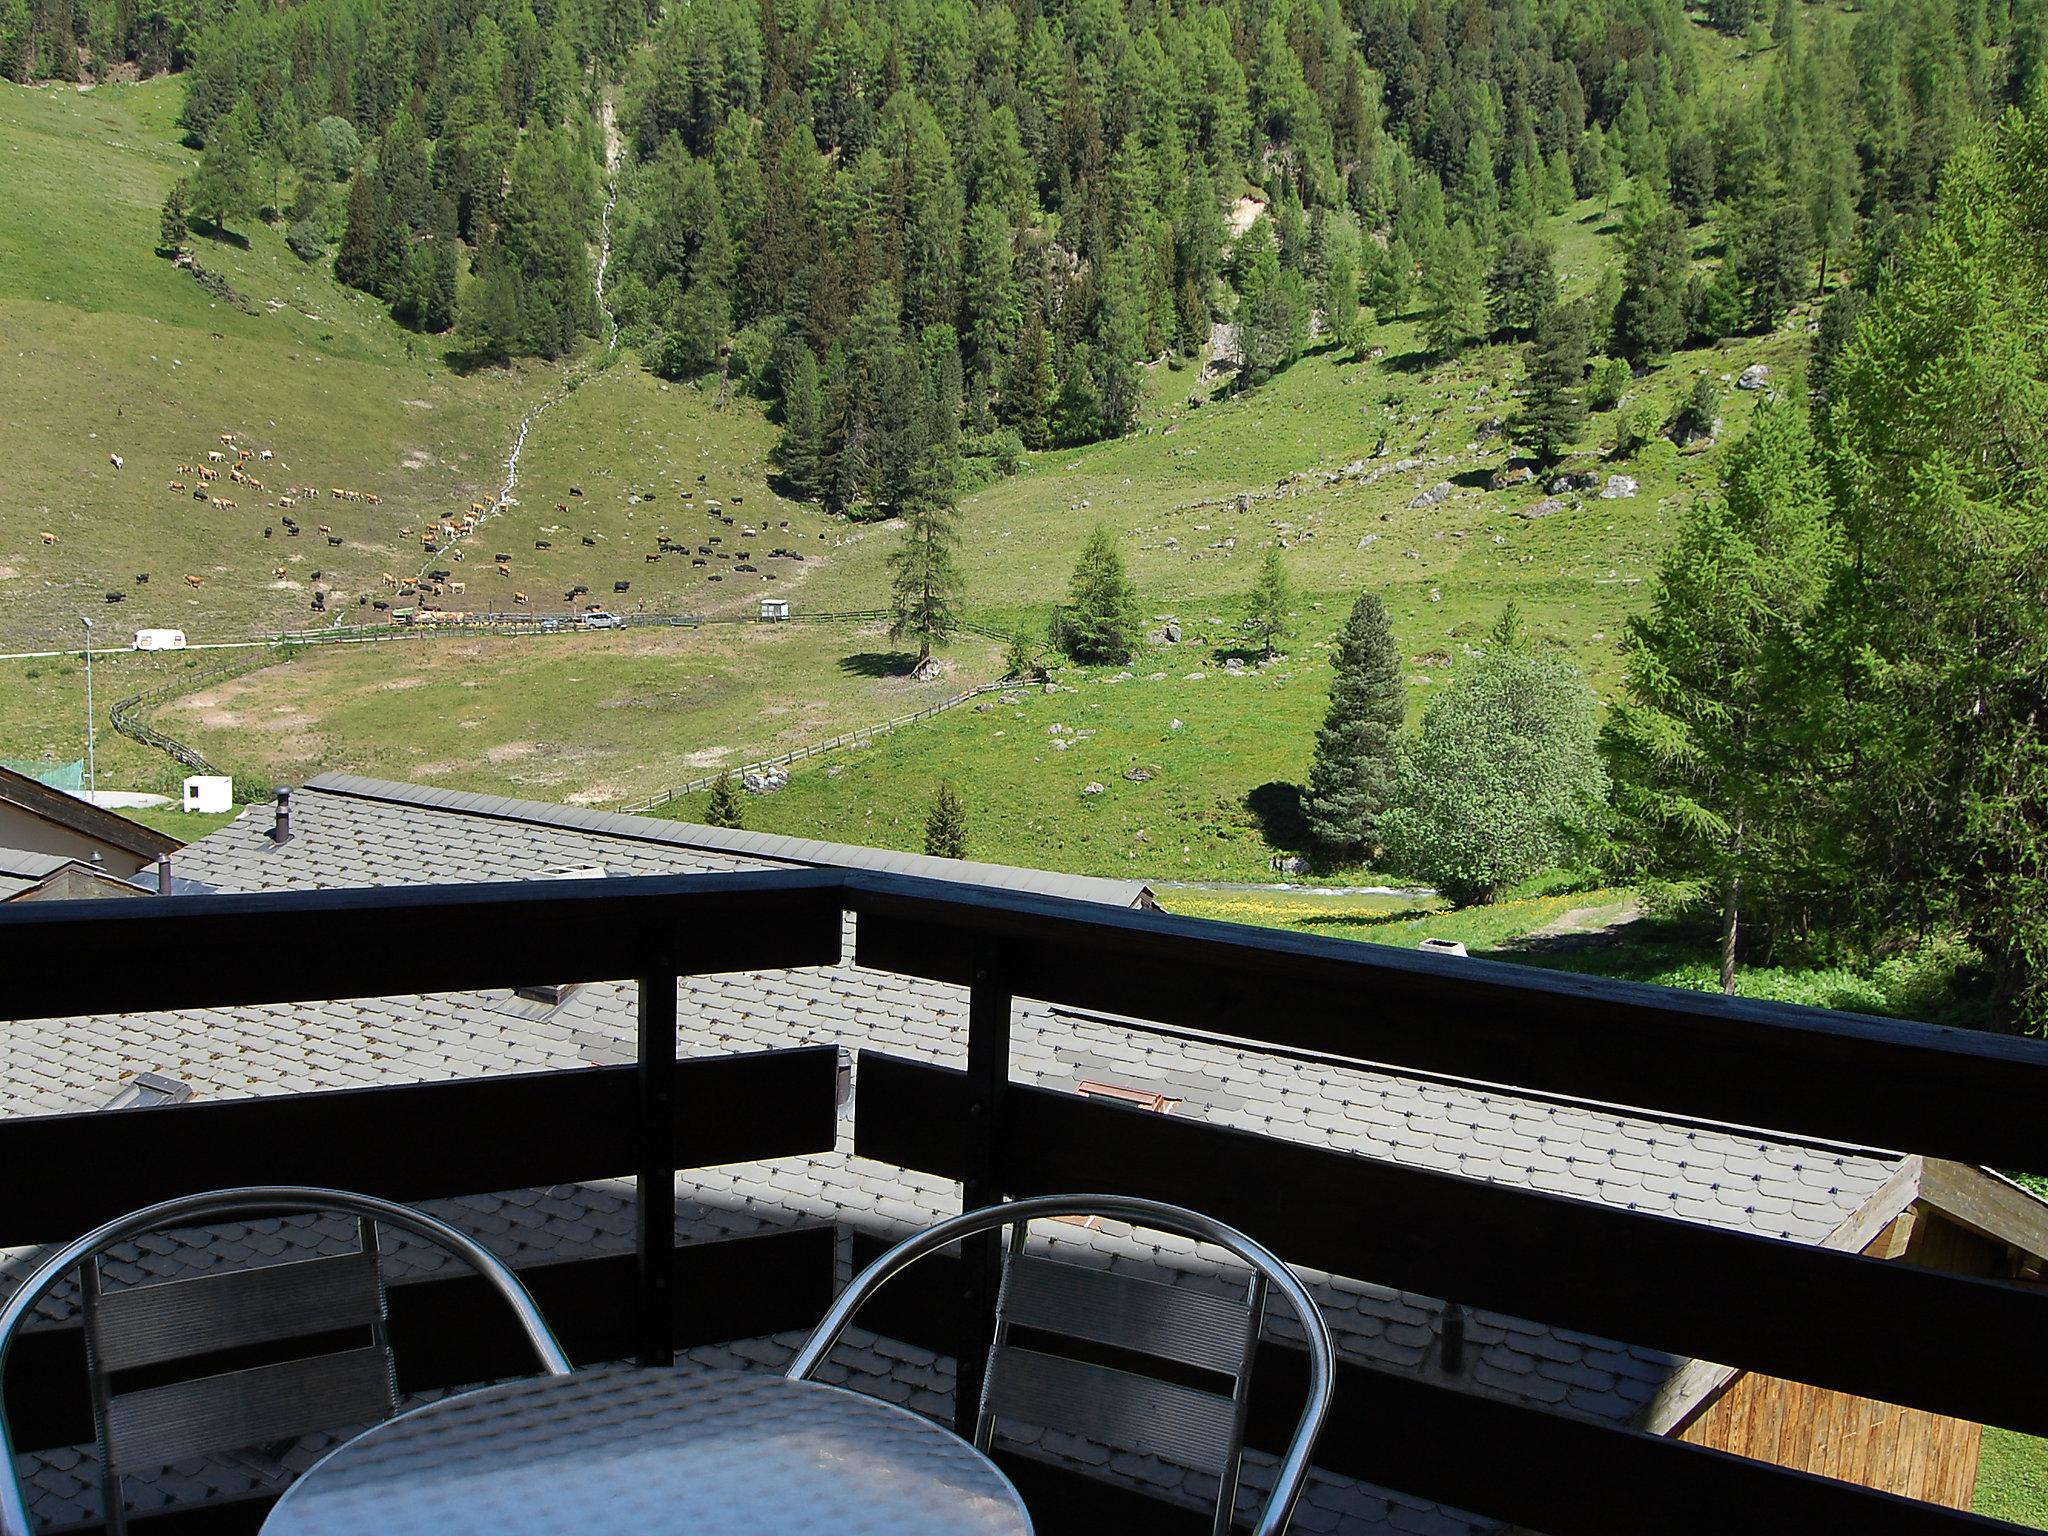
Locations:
(1900, 1450)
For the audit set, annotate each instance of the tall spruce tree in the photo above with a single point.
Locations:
(925, 583)
(1554, 394)
(1352, 777)
(945, 828)
(799, 453)
(1100, 620)
(1710, 771)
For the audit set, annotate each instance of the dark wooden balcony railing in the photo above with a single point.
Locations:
(1974, 1349)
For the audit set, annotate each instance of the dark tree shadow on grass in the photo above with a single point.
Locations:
(464, 361)
(1421, 360)
(219, 234)
(1276, 807)
(1342, 920)
(878, 663)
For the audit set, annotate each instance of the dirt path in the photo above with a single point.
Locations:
(1583, 927)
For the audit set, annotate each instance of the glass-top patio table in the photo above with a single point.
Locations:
(653, 1452)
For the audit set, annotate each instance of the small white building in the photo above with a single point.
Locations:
(774, 609)
(159, 640)
(209, 793)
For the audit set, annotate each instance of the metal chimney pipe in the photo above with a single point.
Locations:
(163, 874)
(282, 832)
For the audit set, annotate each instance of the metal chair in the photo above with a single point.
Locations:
(154, 1327)
(1186, 1424)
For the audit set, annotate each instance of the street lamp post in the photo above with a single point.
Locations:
(92, 778)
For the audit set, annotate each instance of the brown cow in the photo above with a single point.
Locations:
(49, 538)
(195, 581)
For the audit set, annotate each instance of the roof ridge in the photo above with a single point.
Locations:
(736, 841)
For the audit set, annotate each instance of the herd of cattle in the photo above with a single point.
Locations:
(242, 463)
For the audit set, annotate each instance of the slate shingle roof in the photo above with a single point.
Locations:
(354, 832)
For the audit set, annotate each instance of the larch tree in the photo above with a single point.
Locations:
(799, 453)
(1705, 746)
(1937, 452)
(1266, 621)
(1351, 778)
(170, 236)
(1454, 292)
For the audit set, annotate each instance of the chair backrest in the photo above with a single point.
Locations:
(1192, 1413)
(239, 1357)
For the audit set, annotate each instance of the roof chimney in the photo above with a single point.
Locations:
(282, 832)
(163, 874)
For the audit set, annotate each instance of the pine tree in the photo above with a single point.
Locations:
(1454, 291)
(170, 238)
(1028, 385)
(1772, 260)
(1100, 620)
(1554, 399)
(925, 582)
(1523, 283)
(945, 829)
(1649, 321)
(1352, 776)
(1266, 609)
(362, 239)
(800, 450)
(728, 805)
(224, 186)
(1707, 765)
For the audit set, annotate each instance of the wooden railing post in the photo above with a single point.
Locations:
(654, 1180)
(988, 1070)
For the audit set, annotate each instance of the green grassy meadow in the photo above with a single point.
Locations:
(593, 719)
(1325, 461)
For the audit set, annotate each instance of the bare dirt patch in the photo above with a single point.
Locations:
(511, 751)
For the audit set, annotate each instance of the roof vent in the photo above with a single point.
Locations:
(282, 832)
(1137, 1098)
(150, 1090)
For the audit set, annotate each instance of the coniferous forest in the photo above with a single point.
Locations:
(931, 234)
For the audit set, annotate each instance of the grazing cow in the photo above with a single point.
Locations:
(287, 501)
(323, 528)
(375, 501)
(456, 555)
(195, 581)
(209, 474)
(199, 493)
(266, 455)
(289, 525)
(267, 532)
(277, 573)
(699, 560)
(114, 459)
(427, 542)
(439, 589)
(589, 542)
(519, 598)
(254, 483)
(318, 574)
(504, 559)
(117, 597)
(652, 559)
(390, 580)
(334, 540)
(142, 578)
(575, 490)
(236, 475)
(228, 506)
(622, 586)
(542, 544)
(227, 437)
(458, 587)
(502, 570)
(563, 506)
(177, 485)
(215, 456)
(184, 469)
